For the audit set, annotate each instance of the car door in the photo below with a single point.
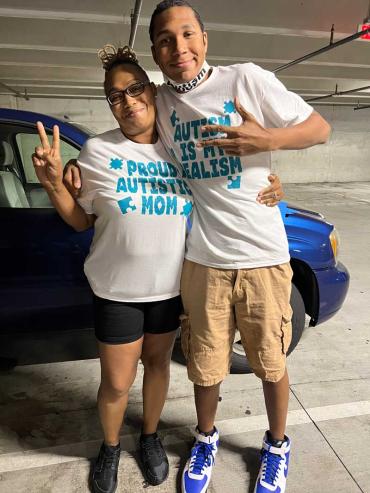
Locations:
(42, 285)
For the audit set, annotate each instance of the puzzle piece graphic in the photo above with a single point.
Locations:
(229, 107)
(174, 119)
(187, 208)
(126, 205)
(233, 182)
(115, 163)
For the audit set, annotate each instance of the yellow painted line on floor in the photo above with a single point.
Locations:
(48, 456)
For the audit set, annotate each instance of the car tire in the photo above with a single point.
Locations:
(298, 317)
(239, 361)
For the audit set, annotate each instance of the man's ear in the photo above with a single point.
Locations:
(154, 54)
(154, 89)
(205, 40)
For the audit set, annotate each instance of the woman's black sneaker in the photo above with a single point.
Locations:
(104, 476)
(153, 458)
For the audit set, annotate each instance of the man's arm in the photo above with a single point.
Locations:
(72, 178)
(314, 130)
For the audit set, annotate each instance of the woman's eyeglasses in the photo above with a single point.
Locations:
(133, 91)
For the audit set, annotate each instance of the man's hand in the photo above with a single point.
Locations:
(249, 138)
(47, 160)
(72, 178)
(272, 194)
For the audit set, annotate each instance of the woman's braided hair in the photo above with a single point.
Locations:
(111, 56)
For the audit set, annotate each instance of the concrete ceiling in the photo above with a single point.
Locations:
(48, 48)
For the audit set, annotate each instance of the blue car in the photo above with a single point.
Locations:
(45, 301)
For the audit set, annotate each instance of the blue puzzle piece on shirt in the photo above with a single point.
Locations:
(229, 107)
(126, 205)
(233, 182)
(116, 163)
(174, 118)
(187, 208)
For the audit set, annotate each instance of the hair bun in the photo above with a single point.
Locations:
(110, 55)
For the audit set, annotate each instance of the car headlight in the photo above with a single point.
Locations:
(334, 241)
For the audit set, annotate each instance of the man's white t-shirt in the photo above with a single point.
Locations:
(230, 229)
(142, 207)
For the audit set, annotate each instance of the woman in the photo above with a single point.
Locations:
(139, 206)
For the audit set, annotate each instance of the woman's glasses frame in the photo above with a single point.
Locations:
(134, 90)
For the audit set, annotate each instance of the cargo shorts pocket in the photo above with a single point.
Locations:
(185, 335)
(286, 332)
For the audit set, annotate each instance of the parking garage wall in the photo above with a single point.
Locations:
(345, 158)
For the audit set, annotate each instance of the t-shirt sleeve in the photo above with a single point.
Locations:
(280, 107)
(87, 194)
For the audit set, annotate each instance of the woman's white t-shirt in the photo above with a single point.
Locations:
(142, 207)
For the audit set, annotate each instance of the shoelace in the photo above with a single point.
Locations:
(110, 461)
(152, 447)
(271, 465)
(203, 457)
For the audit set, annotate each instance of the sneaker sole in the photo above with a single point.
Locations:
(153, 480)
(96, 489)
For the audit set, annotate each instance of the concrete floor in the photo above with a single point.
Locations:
(49, 427)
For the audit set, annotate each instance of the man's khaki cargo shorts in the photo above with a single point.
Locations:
(216, 301)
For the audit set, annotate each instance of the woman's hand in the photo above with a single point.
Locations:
(47, 160)
(272, 194)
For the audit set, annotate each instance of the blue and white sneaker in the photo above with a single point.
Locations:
(274, 467)
(198, 469)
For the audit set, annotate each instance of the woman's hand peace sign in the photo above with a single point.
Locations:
(47, 160)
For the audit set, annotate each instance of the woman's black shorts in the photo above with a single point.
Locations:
(119, 322)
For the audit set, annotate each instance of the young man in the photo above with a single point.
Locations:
(237, 270)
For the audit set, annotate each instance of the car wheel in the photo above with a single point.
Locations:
(298, 318)
(239, 362)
